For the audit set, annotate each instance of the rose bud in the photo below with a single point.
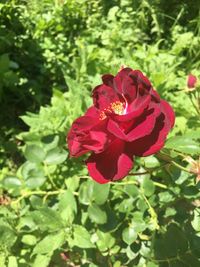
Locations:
(194, 166)
(128, 118)
(191, 81)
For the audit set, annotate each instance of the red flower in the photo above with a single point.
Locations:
(191, 81)
(127, 119)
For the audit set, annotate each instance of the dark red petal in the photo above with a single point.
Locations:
(96, 141)
(75, 148)
(141, 80)
(152, 143)
(112, 164)
(108, 79)
(133, 111)
(92, 112)
(144, 124)
(103, 96)
(79, 135)
(118, 79)
(74, 143)
(129, 89)
(84, 123)
(155, 96)
(138, 128)
(168, 111)
(140, 103)
(114, 128)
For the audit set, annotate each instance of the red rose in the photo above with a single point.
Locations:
(191, 81)
(127, 119)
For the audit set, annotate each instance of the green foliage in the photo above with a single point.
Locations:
(52, 53)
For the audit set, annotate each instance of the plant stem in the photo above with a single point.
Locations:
(124, 183)
(170, 161)
(49, 176)
(195, 107)
(39, 192)
(152, 212)
(160, 185)
(180, 166)
(137, 183)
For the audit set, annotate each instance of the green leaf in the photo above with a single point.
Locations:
(67, 206)
(2, 260)
(34, 153)
(50, 243)
(46, 218)
(151, 162)
(29, 240)
(196, 221)
(172, 243)
(126, 205)
(12, 183)
(7, 235)
(100, 193)
(72, 183)
(81, 237)
(55, 156)
(130, 254)
(41, 261)
(152, 264)
(86, 192)
(178, 175)
(141, 205)
(50, 141)
(148, 187)
(31, 169)
(35, 182)
(117, 264)
(129, 235)
(96, 214)
(183, 144)
(131, 190)
(165, 197)
(104, 241)
(4, 63)
(138, 223)
(36, 201)
(12, 261)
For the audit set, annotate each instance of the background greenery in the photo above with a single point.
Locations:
(52, 53)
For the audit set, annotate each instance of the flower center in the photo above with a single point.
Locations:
(116, 107)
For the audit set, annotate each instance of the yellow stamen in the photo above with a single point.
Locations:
(116, 107)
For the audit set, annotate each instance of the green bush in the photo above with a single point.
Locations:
(52, 53)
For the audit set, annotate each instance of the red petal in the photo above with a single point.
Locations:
(87, 133)
(144, 124)
(129, 89)
(138, 128)
(84, 123)
(168, 111)
(93, 112)
(155, 96)
(152, 143)
(114, 128)
(75, 148)
(140, 103)
(103, 95)
(96, 141)
(108, 79)
(141, 80)
(118, 79)
(112, 164)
